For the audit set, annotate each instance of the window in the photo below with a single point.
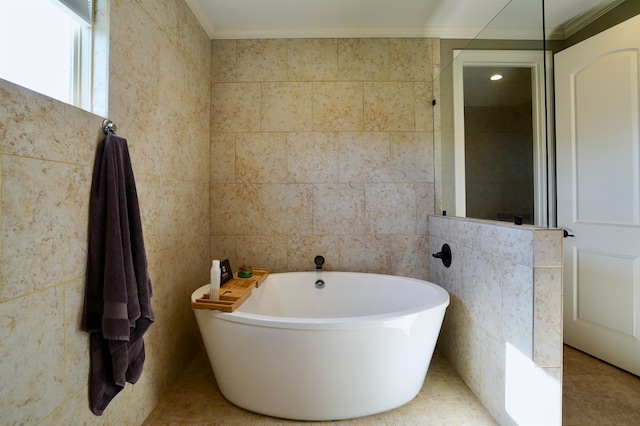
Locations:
(45, 45)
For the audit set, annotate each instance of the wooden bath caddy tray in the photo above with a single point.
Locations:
(233, 293)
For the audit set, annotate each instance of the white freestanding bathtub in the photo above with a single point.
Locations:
(360, 345)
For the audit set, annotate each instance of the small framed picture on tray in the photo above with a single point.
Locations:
(226, 273)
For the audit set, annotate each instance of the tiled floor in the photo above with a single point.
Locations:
(443, 400)
(595, 393)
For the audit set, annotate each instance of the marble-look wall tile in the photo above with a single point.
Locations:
(312, 59)
(482, 293)
(338, 106)
(165, 15)
(390, 208)
(441, 227)
(235, 107)
(166, 349)
(174, 274)
(365, 253)
(28, 377)
(224, 247)
(363, 59)
(43, 226)
(186, 217)
(435, 57)
(508, 242)
(190, 147)
(167, 123)
(259, 250)
(517, 307)
(389, 107)
(424, 110)
(190, 36)
(261, 60)
(143, 137)
(409, 256)
(492, 374)
(223, 61)
(195, 262)
(410, 59)
(173, 150)
(411, 157)
(548, 247)
(261, 157)
(223, 157)
(184, 341)
(26, 120)
(185, 89)
(469, 347)
(334, 91)
(287, 209)
(312, 157)
(82, 132)
(286, 107)
(547, 320)
(74, 411)
(466, 232)
(338, 209)
(452, 278)
(76, 339)
(504, 324)
(425, 203)
(137, 61)
(176, 20)
(364, 157)
(164, 274)
(151, 204)
(235, 209)
(302, 249)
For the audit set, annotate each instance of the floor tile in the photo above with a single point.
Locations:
(196, 400)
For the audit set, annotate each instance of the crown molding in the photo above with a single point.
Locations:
(415, 32)
(581, 21)
(262, 33)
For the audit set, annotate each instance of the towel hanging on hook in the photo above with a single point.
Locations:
(117, 309)
(109, 126)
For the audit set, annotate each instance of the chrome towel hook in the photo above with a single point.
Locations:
(109, 126)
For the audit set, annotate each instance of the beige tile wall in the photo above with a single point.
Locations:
(322, 146)
(503, 329)
(159, 98)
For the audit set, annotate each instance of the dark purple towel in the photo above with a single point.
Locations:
(117, 309)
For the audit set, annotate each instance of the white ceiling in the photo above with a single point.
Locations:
(517, 19)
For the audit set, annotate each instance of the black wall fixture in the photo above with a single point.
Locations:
(444, 254)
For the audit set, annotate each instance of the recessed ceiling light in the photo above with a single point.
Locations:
(496, 77)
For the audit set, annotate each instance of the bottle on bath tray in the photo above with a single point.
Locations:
(214, 284)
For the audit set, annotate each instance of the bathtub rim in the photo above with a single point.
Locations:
(440, 301)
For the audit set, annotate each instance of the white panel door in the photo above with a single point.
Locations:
(598, 177)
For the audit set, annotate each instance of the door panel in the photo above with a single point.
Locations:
(603, 166)
(608, 306)
(598, 177)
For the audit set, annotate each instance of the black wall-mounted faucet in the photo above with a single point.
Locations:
(319, 260)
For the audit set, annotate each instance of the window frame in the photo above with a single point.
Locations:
(79, 86)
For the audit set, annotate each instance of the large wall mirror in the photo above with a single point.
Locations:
(496, 137)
